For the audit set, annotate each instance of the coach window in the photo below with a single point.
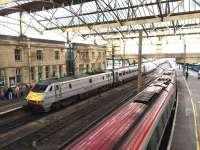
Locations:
(103, 77)
(57, 87)
(50, 89)
(90, 80)
(70, 86)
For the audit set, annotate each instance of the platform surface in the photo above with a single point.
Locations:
(187, 125)
(10, 105)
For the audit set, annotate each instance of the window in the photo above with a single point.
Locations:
(57, 87)
(93, 55)
(90, 80)
(80, 56)
(50, 89)
(86, 55)
(32, 73)
(2, 77)
(104, 54)
(99, 66)
(40, 88)
(39, 73)
(39, 54)
(18, 75)
(99, 55)
(54, 71)
(57, 56)
(81, 68)
(87, 68)
(47, 72)
(60, 71)
(18, 55)
(103, 78)
(70, 86)
(93, 66)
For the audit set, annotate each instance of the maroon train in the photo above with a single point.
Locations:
(138, 124)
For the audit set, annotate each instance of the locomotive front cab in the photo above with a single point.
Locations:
(36, 95)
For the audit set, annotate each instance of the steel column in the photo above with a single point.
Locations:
(113, 63)
(184, 58)
(20, 23)
(140, 63)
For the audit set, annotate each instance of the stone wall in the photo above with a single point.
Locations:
(9, 66)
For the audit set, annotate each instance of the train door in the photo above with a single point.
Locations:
(58, 92)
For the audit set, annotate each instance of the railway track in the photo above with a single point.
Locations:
(73, 124)
(81, 116)
(20, 118)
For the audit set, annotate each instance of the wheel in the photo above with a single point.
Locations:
(56, 106)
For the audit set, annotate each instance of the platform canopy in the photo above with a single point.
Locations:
(108, 19)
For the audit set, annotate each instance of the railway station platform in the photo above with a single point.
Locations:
(185, 130)
(11, 105)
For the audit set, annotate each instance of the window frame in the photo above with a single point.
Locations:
(39, 57)
(18, 56)
(57, 55)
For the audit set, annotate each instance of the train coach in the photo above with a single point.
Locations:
(137, 125)
(51, 94)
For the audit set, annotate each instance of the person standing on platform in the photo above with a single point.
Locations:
(186, 75)
(10, 93)
(17, 92)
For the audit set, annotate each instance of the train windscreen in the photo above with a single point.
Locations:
(40, 88)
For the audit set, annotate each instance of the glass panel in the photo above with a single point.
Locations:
(47, 71)
(17, 54)
(32, 73)
(18, 75)
(39, 73)
(39, 55)
(60, 71)
(54, 71)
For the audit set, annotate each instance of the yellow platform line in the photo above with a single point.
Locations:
(195, 117)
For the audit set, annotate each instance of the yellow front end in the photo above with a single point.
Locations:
(34, 98)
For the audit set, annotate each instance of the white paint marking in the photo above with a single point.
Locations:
(10, 110)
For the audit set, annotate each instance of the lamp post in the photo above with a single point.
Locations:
(29, 58)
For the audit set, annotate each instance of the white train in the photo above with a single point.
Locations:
(51, 94)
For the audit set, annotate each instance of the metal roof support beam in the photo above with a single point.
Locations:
(112, 10)
(160, 35)
(148, 29)
(123, 8)
(24, 23)
(83, 21)
(196, 2)
(135, 21)
(33, 16)
(175, 8)
(133, 11)
(20, 23)
(58, 27)
(160, 10)
(174, 28)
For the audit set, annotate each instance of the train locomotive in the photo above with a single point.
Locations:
(51, 94)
